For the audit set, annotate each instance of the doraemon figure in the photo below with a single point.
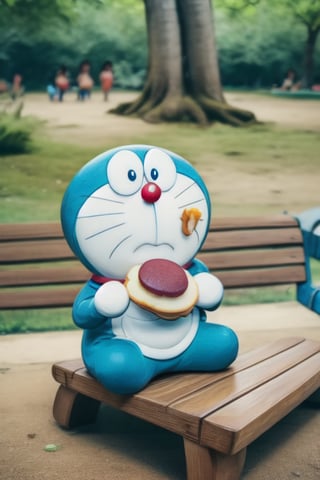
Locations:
(136, 216)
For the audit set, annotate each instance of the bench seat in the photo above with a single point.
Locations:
(215, 413)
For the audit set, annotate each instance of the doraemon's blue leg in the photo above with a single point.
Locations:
(119, 365)
(214, 347)
(122, 368)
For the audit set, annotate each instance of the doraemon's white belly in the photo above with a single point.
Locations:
(157, 338)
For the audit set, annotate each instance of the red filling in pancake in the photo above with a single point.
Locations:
(163, 277)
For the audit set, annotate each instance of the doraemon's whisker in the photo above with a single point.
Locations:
(105, 230)
(119, 244)
(101, 215)
(185, 189)
(196, 232)
(156, 222)
(104, 199)
(191, 203)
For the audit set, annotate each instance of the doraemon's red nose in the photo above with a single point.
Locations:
(151, 192)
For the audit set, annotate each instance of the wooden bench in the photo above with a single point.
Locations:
(217, 414)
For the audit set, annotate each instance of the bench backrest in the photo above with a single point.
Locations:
(39, 270)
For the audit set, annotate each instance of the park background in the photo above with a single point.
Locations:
(257, 41)
(264, 169)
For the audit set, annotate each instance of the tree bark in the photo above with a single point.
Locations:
(308, 62)
(183, 81)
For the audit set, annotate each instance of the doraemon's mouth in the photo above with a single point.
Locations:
(153, 245)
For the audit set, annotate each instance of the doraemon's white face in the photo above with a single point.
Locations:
(137, 216)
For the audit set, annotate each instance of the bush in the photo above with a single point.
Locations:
(126, 77)
(15, 131)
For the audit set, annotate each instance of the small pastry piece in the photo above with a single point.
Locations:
(190, 218)
(162, 287)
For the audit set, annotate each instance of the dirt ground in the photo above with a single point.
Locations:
(118, 446)
(88, 121)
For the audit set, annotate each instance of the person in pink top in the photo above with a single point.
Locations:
(106, 79)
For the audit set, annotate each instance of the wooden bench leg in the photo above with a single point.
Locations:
(72, 409)
(206, 464)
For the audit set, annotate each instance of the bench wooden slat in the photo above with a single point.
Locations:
(169, 389)
(259, 277)
(59, 297)
(195, 406)
(252, 258)
(75, 273)
(28, 298)
(147, 404)
(236, 425)
(252, 238)
(215, 261)
(82, 382)
(17, 231)
(44, 250)
(238, 223)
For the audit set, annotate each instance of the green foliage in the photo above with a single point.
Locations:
(99, 34)
(257, 41)
(126, 77)
(305, 11)
(258, 46)
(15, 131)
(36, 11)
(236, 7)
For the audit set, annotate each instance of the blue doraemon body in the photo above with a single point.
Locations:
(125, 207)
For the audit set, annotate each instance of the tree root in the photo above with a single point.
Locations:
(202, 110)
(176, 109)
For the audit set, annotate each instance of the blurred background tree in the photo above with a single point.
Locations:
(295, 24)
(256, 45)
(183, 81)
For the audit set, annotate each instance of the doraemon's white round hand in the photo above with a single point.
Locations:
(111, 299)
(210, 290)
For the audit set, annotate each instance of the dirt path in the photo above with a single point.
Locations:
(118, 443)
(88, 121)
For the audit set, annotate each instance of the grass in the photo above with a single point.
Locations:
(32, 186)
(16, 132)
(43, 320)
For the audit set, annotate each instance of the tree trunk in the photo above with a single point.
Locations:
(308, 62)
(183, 81)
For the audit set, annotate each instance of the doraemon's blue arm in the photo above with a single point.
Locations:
(210, 287)
(197, 267)
(96, 303)
(84, 312)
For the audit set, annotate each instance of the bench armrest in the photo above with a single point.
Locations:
(308, 293)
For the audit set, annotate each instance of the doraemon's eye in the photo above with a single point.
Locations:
(154, 174)
(159, 168)
(125, 172)
(132, 175)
